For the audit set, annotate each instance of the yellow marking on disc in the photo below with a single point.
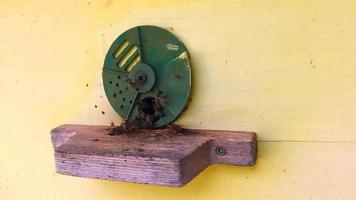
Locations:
(121, 48)
(183, 55)
(172, 47)
(127, 56)
(133, 63)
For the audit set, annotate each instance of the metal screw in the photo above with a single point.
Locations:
(141, 78)
(221, 151)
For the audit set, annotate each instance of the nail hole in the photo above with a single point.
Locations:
(117, 84)
(114, 95)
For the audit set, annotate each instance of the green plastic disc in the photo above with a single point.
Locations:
(147, 76)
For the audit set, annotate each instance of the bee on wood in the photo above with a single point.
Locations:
(175, 129)
(125, 127)
(129, 125)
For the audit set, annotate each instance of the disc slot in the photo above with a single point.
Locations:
(129, 52)
(122, 46)
(132, 61)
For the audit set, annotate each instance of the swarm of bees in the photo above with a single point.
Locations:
(150, 110)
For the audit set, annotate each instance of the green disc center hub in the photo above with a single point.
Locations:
(142, 78)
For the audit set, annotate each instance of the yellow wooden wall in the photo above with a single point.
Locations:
(284, 69)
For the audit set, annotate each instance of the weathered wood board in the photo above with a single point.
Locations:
(148, 156)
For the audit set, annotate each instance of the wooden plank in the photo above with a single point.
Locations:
(284, 170)
(148, 156)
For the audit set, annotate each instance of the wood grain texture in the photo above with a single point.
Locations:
(147, 156)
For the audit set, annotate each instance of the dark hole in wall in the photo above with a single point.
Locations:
(147, 106)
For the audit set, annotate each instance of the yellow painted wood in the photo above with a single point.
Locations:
(284, 69)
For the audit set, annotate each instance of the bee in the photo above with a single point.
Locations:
(151, 109)
(175, 129)
(129, 125)
(160, 101)
(125, 127)
(131, 83)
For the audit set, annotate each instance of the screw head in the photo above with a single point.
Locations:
(141, 78)
(221, 151)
